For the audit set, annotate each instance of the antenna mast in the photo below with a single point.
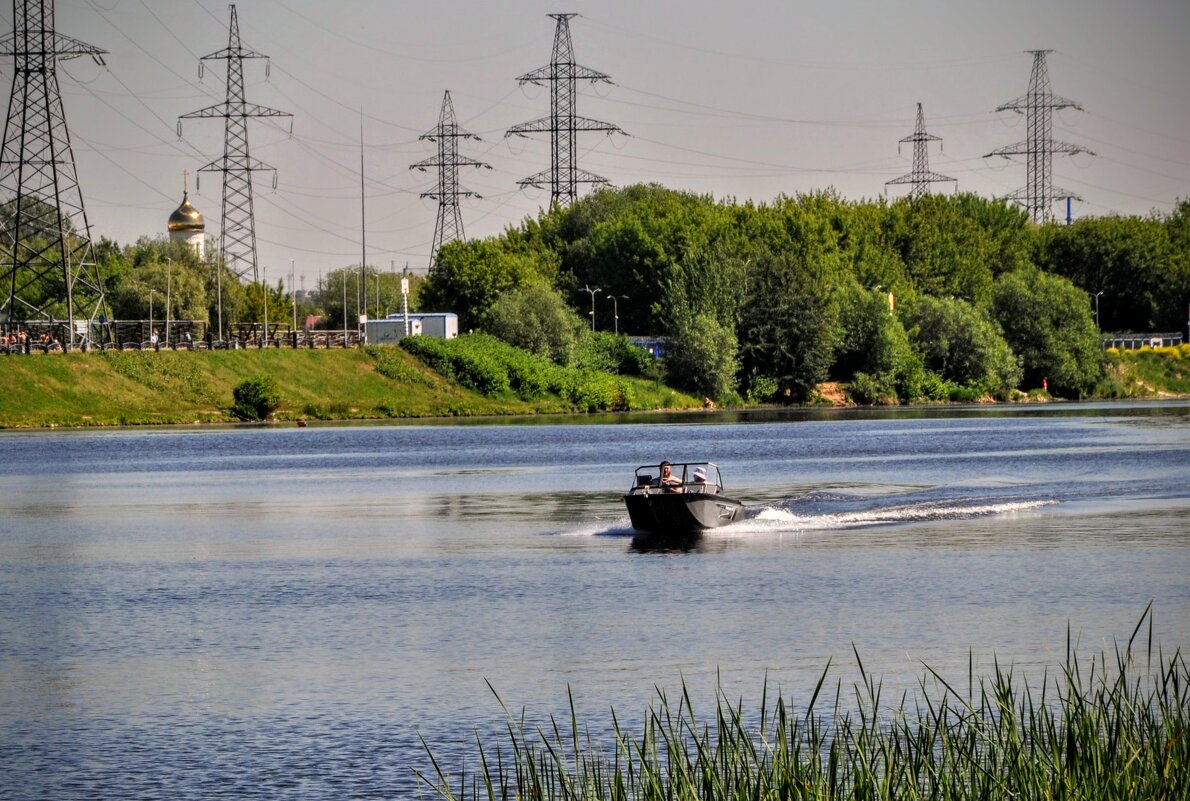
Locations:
(564, 175)
(447, 134)
(48, 269)
(237, 235)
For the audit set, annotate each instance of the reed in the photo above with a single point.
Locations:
(1112, 727)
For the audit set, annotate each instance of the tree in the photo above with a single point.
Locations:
(160, 268)
(469, 276)
(875, 353)
(946, 252)
(628, 241)
(701, 356)
(537, 319)
(1130, 259)
(1047, 321)
(789, 323)
(963, 344)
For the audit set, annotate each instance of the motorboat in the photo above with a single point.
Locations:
(684, 499)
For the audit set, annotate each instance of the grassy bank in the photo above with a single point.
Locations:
(1114, 727)
(145, 388)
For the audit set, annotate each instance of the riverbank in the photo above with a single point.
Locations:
(160, 388)
(116, 388)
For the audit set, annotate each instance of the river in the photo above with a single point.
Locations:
(282, 612)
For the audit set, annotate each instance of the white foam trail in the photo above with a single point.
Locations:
(771, 519)
(618, 526)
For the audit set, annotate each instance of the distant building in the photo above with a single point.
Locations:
(443, 325)
(187, 225)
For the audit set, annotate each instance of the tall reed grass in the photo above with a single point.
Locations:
(1112, 727)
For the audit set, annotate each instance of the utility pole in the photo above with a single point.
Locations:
(48, 259)
(920, 177)
(447, 134)
(562, 74)
(1038, 148)
(237, 235)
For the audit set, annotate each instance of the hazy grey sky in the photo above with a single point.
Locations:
(744, 99)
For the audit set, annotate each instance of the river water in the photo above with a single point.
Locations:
(283, 613)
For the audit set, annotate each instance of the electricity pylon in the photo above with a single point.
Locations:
(447, 134)
(564, 175)
(237, 233)
(921, 177)
(48, 264)
(1038, 148)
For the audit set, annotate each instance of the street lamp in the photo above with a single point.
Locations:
(150, 315)
(616, 309)
(1097, 294)
(293, 297)
(169, 268)
(265, 287)
(592, 291)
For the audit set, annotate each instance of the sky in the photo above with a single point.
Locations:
(747, 100)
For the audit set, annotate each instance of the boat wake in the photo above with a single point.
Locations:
(778, 518)
(821, 513)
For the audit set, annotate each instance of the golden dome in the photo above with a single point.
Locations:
(186, 218)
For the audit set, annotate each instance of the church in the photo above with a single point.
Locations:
(187, 225)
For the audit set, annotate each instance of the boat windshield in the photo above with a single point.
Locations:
(700, 477)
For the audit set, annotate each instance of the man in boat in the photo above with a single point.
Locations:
(668, 481)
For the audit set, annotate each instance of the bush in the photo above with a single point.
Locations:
(614, 354)
(256, 398)
(487, 365)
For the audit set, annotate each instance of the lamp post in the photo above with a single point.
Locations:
(616, 309)
(150, 315)
(1097, 326)
(265, 287)
(592, 291)
(293, 297)
(169, 268)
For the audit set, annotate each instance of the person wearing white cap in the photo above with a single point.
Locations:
(700, 479)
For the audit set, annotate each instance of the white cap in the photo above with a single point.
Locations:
(700, 473)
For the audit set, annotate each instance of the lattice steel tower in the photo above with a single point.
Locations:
(562, 73)
(921, 177)
(48, 264)
(1039, 147)
(237, 234)
(447, 134)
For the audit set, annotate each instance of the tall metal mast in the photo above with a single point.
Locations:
(237, 235)
(564, 175)
(1038, 106)
(48, 264)
(921, 177)
(447, 134)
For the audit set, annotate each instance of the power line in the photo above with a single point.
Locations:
(449, 225)
(920, 177)
(237, 235)
(1038, 105)
(562, 74)
(51, 260)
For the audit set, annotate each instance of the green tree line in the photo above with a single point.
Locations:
(945, 297)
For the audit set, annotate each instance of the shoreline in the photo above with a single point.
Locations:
(358, 386)
(678, 415)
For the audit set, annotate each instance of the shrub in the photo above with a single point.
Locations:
(256, 398)
(613, 354)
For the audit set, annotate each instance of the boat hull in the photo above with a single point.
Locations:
(680, 513)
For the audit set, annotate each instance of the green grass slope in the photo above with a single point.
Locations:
(149, 388)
